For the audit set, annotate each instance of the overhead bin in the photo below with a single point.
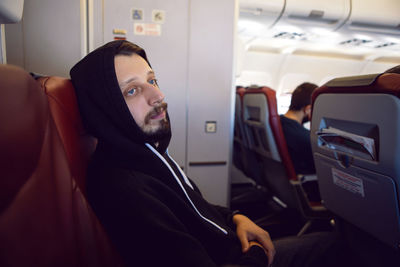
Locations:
(257, 16)
(315, 13)
(374, 16)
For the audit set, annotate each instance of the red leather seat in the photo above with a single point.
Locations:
(242, 156)
(266, 139)
(259, 105)
(78, 144)
(355, 111)
(45, 219)
(355, 141)
(275, 127)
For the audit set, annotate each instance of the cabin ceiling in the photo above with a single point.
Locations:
(361, 29)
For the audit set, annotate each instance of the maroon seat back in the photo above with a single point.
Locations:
(264, 99)
(78, 144)
(45, 219)
(354, 135)
(279, 137)
(240, 140)
(266, 139)
(239, 129)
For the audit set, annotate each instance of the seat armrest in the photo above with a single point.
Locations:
(307, 177)
(317, 211)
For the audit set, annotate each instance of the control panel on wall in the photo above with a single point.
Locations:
(211, 127)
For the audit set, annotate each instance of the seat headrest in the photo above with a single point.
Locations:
(386, 83)
(23, 117)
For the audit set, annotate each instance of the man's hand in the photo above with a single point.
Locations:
(250, 234)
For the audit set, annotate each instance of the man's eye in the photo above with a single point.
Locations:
(153, 81)
(131, 91)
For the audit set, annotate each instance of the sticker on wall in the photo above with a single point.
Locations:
(158, 16)
(150, 29)
(137, 14)
(119, 34)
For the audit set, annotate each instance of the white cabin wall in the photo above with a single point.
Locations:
(14, 43)
(318, 68)
(167, 53)
(259, 68)
(377, 67)
(2, 45)
(96, 24)
(49, 38)
(211, 95)
(10, 12)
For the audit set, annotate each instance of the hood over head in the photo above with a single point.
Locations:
(103, 109)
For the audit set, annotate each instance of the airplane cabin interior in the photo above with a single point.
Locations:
(228, 70)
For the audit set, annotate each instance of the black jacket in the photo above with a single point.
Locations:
(153, 214)
(299, 145)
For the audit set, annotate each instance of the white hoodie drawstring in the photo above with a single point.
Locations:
(181, 185)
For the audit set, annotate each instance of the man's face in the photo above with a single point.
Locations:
(141, 93)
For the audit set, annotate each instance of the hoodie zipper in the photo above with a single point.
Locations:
(181, 185)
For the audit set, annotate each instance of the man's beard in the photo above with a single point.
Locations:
(164, 127)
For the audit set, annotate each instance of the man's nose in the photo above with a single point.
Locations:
(156, 96)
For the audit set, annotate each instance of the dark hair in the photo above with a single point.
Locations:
(301, 96)
(395, 69)
(127, 48)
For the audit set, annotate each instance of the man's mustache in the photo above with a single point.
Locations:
(155, 111)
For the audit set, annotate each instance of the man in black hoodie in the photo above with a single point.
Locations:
(152, 212)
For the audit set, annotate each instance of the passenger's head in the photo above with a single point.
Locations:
(301, 96)
(139, 87)
(118, 94)
(301, 99)
(395, 69)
